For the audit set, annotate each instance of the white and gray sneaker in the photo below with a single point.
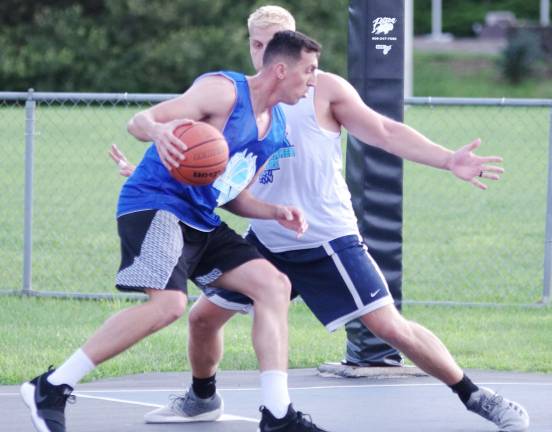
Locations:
(187, 407)
(509, 416)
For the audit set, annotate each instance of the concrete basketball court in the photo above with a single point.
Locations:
(393, 403)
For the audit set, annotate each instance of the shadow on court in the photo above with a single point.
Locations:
(339, 404)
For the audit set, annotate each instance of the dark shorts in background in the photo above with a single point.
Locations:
(158, 251)
(339, 281)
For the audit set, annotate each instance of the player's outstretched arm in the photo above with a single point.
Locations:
(402, 140)
(246, 205)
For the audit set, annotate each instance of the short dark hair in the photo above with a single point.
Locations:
(289, 44)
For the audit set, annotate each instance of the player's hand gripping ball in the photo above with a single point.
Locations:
(206, 156)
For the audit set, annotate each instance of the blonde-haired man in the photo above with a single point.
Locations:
(270, 15)
(329, 266)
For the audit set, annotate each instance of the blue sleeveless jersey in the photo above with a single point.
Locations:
(152, 187)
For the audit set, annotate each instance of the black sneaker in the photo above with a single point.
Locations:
(294, 421)
(47, 402)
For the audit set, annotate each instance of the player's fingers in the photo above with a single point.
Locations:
(122, 165)
(490, 176)
(288, 215)
(474, 181)
(492, 168)
(166, 158)
(176, 153)
(297, 214)
(473, 145)
(174, 140)
(172, 161)
(116, 152)
(113, 157)
(302, 229)
(178, 145)
(172, 150)
(489, 159)
(485, 173)
(490, 172)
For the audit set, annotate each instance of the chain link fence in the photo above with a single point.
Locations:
(461, 244)
(465, 245)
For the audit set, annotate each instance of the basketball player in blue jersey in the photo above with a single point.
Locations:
(329, 266)
(169, 231)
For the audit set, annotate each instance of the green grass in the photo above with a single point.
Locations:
(474, 75)
(38, 332)
(460, 244)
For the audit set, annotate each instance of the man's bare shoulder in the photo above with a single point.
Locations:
(332, 87)
(215, 95)
(217, 86)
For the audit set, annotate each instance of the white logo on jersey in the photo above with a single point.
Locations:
(240, 170)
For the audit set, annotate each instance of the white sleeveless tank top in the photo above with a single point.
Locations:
(310, 178)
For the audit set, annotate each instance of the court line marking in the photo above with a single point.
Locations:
(130, 402)
(224, 417)
(239, 389)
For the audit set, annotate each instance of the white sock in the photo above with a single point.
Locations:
(73, 370)
(274, 392)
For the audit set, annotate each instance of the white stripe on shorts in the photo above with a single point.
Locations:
(161, 249)
(343, 272)
(230, 305)
(370, 307)
(376, 266)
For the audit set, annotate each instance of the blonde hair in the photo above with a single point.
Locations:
(267, 16)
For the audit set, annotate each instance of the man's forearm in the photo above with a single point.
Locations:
(409, 144)
(142, 126)
(247, 206)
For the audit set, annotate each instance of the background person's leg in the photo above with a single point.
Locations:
(206, 336)
(200, 402)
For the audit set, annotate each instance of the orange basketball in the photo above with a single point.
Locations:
(206, 156)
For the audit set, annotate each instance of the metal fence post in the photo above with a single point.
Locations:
(548, 235)
(30, 108)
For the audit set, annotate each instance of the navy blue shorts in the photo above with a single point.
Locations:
(339, 281)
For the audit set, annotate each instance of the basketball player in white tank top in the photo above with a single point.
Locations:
(341, 272)
(313, 177)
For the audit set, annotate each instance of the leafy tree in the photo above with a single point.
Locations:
(161, 46)
(142, 46)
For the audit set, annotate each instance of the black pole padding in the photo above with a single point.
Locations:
(376, 70)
